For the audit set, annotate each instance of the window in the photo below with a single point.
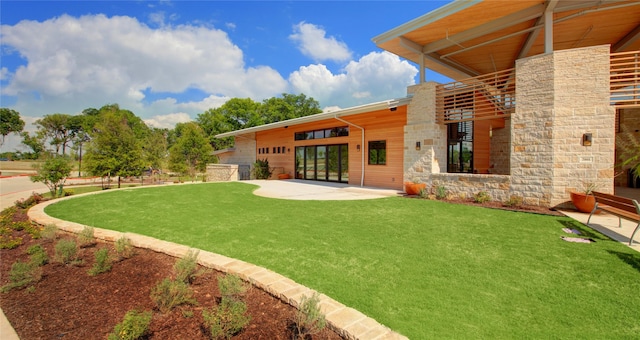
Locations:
(378, 152)
(324, 133)
(460, 147)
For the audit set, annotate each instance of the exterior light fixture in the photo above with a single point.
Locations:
(358, 147)
(417, 145)
(587, 139)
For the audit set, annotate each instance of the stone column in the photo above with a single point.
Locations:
(422, 127)
(560, 97)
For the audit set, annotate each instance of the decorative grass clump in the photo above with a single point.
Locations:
(426, 269)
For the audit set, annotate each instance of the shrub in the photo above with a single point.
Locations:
(171, 293)
(226, 319)
(85, 237)
(309, 319)
(134, 326)
(66, 252)
(102, 264)
(123, 247)
(30, 201)
(185, 268)
(38, 255)
(231, 286)
(481, 197)
(49, 232)
(441, 192)
(22, 274)
(513, 201)
(7, 240)
(261, 169)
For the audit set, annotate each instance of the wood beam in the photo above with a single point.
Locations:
(490, 27)
(628, 39)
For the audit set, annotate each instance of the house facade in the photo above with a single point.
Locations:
(546, 100)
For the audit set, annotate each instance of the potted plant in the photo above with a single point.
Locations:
(414, 186)
(584, 201)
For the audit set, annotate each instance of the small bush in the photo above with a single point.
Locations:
(68, 192)
(309, 319)
(102, 264)
(171, 293)
(38, 255)
(441, 192)
(29, 202)
(513, 201)
(86, 238)
(22, 274)
(231, 286)
(7, 240)
(123, 247)
(261, 169)
(226, 319)
(49, 232)
(134, 326)
(66, 252)
(481, 197)
(185, 268)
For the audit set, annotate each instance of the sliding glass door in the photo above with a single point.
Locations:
(323, 162)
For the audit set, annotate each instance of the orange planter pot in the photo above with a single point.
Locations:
(414, 188)
(583, 202)
(283, 176)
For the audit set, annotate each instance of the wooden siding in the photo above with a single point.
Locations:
(379, 125)
(482, 143)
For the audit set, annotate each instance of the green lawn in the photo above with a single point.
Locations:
(426, 269)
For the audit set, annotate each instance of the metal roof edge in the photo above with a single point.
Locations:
(321, 116)
(433, 16)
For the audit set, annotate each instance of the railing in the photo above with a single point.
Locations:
(625, 79)
(484, 97)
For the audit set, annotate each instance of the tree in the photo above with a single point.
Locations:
(35, 143)
(53, 172)
(60, 129)
(235, 114)
(114, 149)
(10, 122)
(288, 106)
(192, 150)
(154, 148)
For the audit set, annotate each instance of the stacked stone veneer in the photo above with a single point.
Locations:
(561, 96)
(222, 172)
(539, 155)
(422, 127)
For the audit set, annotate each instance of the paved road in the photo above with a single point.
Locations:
(18, 187)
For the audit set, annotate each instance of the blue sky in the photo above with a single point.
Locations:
(168, 61)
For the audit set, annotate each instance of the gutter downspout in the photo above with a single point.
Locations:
(361, 149)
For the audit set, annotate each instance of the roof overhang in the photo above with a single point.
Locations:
(387, 104)
(467, 38)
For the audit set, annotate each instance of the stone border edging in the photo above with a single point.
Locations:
(346, 321)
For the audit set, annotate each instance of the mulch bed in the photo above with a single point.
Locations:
(70, 304)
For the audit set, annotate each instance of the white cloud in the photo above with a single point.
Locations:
(313, 42)
(168, 121)
(73, 63)
(377, 76)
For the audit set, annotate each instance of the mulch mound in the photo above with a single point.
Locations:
(68, 303)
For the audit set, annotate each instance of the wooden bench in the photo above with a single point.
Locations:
(620, 206)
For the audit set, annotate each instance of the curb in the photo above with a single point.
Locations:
(346, 321)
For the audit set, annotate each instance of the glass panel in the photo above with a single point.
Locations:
(309, 164)
(334, 162)
(300, 136)
(299, 161)
(309, 135)
(321, 163)
(318, 134)
(344, 163)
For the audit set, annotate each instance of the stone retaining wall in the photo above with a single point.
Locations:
(222, 172)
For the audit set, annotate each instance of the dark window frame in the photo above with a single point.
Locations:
(377, 151)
